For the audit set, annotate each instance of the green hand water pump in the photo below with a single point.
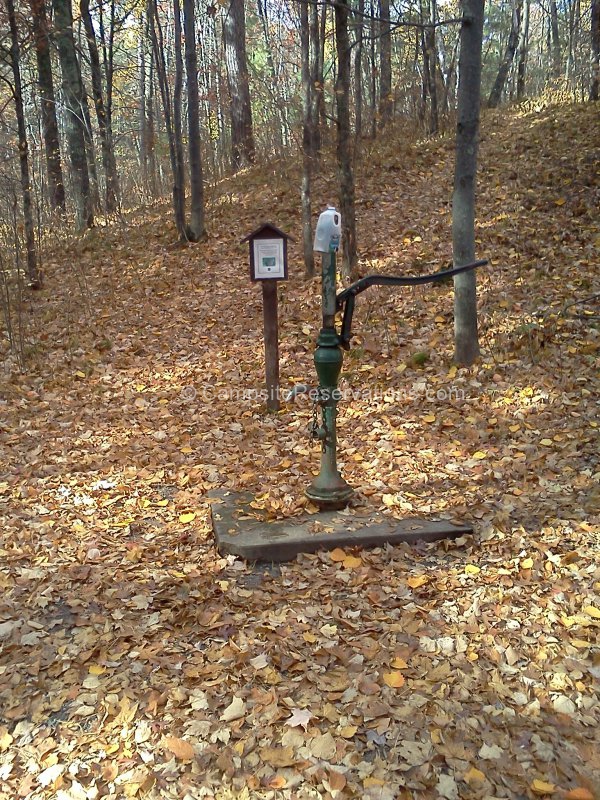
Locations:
(329, 490)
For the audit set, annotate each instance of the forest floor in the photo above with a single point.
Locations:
(136, 662)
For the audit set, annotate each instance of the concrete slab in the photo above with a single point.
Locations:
(240, 530)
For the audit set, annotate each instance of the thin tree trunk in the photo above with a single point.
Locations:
(262, 7)
(56, 187)
(465, 171)
(234, 36)
(307, 142)
(385, 64)
(556, 54)
(161, 69)
(595, 82)
(177, 117)
(72, 88)
(509, 54)
(316, 78)
(358, 84)
(108, 153)
(373, 70)
(344, 146)
(197, 228)
(32, 266)
(523, 53)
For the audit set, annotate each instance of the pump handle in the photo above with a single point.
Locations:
(345, 300)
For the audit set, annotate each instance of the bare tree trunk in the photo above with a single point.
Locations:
(509, 54)
(556, 54)
(595, 82)
(72, 88)
(307, 142)
(197, 228)
(523, 53)
(234, 36)
(373, 70)
(108, 153)
(56, 187)
(316, 77)
(358, 83)
(344, 146)
(385, 64)
(263, 7)
(32, 267)
(177, 123)
(429, 48)
(463, 200)
(161, 69)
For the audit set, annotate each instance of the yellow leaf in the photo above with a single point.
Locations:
(560, 202)
(186, 450)
(472, 569)
(428, 418)
(592, 611)
(179, 747)
(527, 563)
(479, 455)
(80, 374)
(399, 663)
(452, 372)
(337, 554)
(417, 580)
(542, 787)
(348, 731)
(309, 637)
(96, 669)
(580, 644)
(352, 562)
(546, 442)
(188, 516)
(306, 330)
(514, 428)
(394, 679)
(389, 500)
(162, 503)
(123, 523)
(474, 775)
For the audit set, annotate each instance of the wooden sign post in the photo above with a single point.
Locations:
(268, 264)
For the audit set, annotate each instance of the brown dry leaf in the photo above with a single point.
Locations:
(579, 793)
(278, 756)
(337, 555)
(352, 562)
(180, 748)
(474, 776)
(542, 787)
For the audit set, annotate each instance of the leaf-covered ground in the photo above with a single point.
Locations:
(136, 662)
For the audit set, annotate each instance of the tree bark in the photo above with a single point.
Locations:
(234, 36)
(344, 146)
(177, 123)
(523, 53)
(32, 267)
(307, 142)
(161, 69)
(595, 82)
(385, 64)
(556, 54)
(509, 54)
(197, 228)
(463, 200)
(56, 187)
(358, 84)
(74, 121)
(108, 152)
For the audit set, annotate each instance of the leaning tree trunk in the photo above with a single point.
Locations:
(463, 200)
(509, 54)
(196, 228)
(234, 36)
(385, 64)
(595, 82)
(56, 187)
(344, 141)
(72, 88)
(32, 267)
(108, 152)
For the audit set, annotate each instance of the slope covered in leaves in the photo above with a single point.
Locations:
(136, 662)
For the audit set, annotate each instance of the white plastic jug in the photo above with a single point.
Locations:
(329, 231)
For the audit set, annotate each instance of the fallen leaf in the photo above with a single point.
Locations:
(188, 516)
(180, 748)
(337, 555)
(394, 679)
(300, 716)
(542, 787)
(592, 611)
(417, 580)
(474, 775)
(235, 710)
(352, 562)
